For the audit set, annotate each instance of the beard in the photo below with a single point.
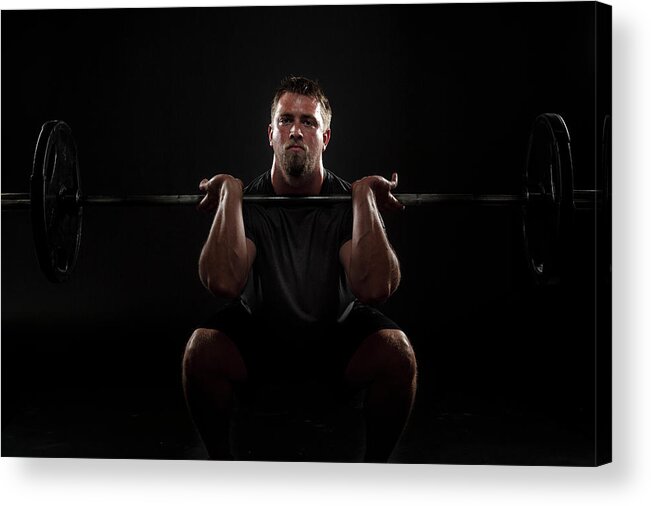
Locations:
(296, 164)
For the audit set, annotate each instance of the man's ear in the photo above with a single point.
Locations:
(270, 131)
(326, 138)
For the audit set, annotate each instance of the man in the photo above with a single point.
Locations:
(303, 281)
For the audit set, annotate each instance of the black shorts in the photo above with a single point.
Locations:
(321, 352)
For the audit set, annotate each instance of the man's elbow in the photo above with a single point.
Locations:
(221, 286)
(224, 290)
(375, 290)
(373, 296)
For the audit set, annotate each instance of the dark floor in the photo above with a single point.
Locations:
(148, 423)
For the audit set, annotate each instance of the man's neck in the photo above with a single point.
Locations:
(305, 185)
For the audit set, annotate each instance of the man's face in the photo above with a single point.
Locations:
(297, 136)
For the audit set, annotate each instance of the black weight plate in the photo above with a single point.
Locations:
(548, 214)
(56, 212)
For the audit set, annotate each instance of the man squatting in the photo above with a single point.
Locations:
(303, 283)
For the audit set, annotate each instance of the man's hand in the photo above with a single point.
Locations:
(215, 189)
(381, 189)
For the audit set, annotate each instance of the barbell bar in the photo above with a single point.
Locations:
(582, 198)
(548, 199)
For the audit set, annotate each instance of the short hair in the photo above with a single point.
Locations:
(307, 87)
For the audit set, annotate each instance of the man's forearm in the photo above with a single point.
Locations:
(374, 272)
(224, 263)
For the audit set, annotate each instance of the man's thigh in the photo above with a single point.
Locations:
(362, 322)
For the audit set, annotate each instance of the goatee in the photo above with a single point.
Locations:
(296, 164)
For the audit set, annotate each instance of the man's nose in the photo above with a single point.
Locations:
(295, 131)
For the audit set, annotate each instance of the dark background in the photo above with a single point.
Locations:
(443, 94)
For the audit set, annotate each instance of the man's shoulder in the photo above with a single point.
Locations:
(261, 185)
(334, 185)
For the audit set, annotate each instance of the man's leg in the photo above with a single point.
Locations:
(211, 365)
(386, 364)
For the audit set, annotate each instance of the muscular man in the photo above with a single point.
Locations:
(303, 283)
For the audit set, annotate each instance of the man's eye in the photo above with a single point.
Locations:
(308, 122)
(283, 121)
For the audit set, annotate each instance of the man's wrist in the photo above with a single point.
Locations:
(232, 187)
(361, 190)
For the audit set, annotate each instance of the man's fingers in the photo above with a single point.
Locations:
(206, 203)
(394, 204)
(213, 188)
(390, 202)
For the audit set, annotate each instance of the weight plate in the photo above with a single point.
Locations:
(55, 208)
(547, 216)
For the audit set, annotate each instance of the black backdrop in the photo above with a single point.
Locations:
(443, 94)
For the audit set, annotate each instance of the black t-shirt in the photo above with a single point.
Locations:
(297, 280)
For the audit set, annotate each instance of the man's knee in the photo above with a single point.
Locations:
(398, 354)
(210, 353)
(386, 353)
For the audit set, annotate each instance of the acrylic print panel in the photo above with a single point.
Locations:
(510, 370)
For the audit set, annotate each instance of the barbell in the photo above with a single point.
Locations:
(548, 199)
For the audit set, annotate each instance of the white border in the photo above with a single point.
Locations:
(626, 481)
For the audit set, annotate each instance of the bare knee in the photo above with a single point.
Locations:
(387, 354)
(210, 353)
(398, 355)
